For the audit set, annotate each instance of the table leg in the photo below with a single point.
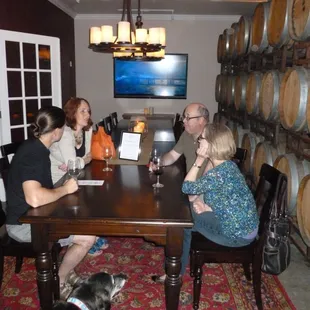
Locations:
(173, 283)
(39, 235)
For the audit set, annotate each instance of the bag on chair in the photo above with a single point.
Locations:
(276, 249)
(99, 140)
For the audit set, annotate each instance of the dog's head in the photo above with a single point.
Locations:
(96, 292)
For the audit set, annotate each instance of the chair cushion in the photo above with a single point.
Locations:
(201, 243)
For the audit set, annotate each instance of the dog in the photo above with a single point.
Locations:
(94, 293)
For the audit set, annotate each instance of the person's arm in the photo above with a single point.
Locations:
(170, 158)
(88, 136)
(36, 195)
(65, 148)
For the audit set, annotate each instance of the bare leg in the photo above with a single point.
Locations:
(74, 255)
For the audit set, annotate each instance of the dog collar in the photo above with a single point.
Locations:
(78, 303)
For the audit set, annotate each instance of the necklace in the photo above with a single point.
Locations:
(78, 138)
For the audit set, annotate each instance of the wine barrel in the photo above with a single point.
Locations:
(226, 36)
(230, 93)
(218, 87)
(266, 153)
(278, 22)
(233, 41)
(238, 133)
(269, 95)
(303, 210)
(300, 30)
(240, 91)
(259, 28)
(244, 35)
(252, 92)
(220, 49)
(249, 142)
(295, 170)
(294, 93)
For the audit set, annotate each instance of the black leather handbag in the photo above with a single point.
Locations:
(276, 249)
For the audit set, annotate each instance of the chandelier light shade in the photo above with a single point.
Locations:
(132, 41)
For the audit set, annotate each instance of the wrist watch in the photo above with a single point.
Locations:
(195, 165)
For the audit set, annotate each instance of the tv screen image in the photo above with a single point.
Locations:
(166, 78)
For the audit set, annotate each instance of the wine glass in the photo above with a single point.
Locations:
(107, 155)
(74, 168)
(158, 170)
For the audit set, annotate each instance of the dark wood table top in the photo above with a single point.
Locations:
(126, 196)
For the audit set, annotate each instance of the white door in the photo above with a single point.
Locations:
(29, 79)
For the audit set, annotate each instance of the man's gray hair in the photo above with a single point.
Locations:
(203, 111)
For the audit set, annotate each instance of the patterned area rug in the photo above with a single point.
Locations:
(224, 287)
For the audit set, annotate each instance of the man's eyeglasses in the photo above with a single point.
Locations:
(188, 118)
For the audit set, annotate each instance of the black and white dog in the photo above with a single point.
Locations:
(95, 293)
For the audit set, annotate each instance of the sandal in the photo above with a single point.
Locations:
(72, 278)
(65, 290)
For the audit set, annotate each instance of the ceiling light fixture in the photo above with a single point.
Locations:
(132, 41)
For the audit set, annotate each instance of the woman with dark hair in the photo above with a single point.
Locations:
(30, 186)
(76, 140)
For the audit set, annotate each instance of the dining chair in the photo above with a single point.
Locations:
(13, 248)
(205, 251)
(178, 127)
(114, 119)
(9, 149)
(239, 157)
(106, 123)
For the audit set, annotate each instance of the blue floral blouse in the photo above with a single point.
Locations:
(225, 191)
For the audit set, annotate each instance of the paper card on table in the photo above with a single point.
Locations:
(130, 146)
(91, 182)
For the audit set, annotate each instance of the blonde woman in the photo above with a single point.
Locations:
(228, 216)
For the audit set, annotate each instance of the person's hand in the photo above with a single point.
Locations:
(63, 167)
(199, 206)
(71, 185)
(202, 150)
(87, 158)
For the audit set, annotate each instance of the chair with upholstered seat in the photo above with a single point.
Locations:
(10, 148)
(106, 123)
(205, 251)
(19, 250)
(114, 119)
(178, 127)
(239, 157)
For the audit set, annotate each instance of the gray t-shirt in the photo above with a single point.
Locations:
(187, 145)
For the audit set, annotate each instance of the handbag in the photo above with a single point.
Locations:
(99, 140)
(276, 246)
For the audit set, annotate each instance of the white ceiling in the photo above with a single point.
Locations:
(171, 7)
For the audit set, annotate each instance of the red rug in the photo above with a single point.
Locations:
(225, 286)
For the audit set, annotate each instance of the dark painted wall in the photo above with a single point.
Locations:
(44, 18)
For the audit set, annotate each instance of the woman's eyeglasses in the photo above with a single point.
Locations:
(200, 137)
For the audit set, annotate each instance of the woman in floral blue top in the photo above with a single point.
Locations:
(228, 215)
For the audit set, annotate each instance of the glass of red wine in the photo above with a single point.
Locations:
(158, 170)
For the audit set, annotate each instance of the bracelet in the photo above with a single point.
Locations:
(195, 165)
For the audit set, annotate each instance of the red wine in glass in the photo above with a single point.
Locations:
(158, 170)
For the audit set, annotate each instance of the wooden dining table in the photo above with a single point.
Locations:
(125, 205)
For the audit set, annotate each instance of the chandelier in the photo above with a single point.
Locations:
(132, 41)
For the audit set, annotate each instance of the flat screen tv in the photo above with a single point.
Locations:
(166, 78)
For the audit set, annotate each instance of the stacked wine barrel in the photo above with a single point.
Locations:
(271, 95)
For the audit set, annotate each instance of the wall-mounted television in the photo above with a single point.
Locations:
(166, 78)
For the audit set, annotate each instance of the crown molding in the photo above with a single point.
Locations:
(64, 8)
(160, 17)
